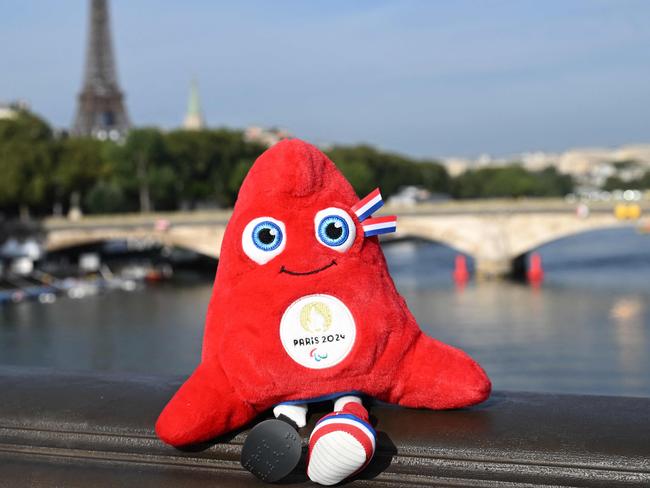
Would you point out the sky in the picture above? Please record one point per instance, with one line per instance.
(425, 78)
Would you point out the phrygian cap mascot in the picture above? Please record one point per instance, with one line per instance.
(303, 309)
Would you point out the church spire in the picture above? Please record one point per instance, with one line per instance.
(194, 118)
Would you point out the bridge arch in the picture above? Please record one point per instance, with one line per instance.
(204, 240)
(496, 240)
(564, 230)
(430, 240)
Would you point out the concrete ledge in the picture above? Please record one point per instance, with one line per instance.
(81, 430)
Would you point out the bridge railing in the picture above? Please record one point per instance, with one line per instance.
(74, 430)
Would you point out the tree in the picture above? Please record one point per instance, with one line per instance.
(366, 168)
(511, 181)
(80, 164)
(644, 181)
(625, 164)
(105, 196)
(145, 161)
(205, 162)
(434, 177)
(27, 154)
(616, 183)
(237, 176)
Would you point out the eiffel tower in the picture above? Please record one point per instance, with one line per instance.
(100, 112)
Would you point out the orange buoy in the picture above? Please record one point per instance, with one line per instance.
(461, 275)
(535, 272)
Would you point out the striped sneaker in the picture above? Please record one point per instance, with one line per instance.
(341, 444)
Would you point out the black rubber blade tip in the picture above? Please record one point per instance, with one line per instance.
(272, 450)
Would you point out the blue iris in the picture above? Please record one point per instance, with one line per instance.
(333, 230)
(267, 235)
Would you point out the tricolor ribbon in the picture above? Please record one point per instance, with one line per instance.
(368, 205)
(379, 225)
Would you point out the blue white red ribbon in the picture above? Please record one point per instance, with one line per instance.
(365, 207)
(379, 225)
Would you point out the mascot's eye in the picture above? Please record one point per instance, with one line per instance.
(335, 228)
(263, 239)
(267, 236)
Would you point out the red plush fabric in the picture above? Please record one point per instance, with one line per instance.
(244, 367)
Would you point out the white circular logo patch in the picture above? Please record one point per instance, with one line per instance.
(317, 331)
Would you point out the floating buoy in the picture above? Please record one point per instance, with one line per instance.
(461, 275)
(535, 272)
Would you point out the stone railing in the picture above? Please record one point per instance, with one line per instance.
(92, 430)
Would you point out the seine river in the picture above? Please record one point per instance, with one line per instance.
(585, 330)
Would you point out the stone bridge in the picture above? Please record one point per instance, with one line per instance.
(204, 237)
(494, 235)
(496, 240)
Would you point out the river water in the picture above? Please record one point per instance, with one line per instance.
(585, 330)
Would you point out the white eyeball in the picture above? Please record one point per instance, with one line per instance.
(263, 239)
(335, 229)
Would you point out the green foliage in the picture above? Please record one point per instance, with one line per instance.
(511, 181)
(644, 181)
(27, 154)
(105, 197)
(367, 168)
(204, 162)
(145, 171)
(80, 163)
(237, 176)
(616, 183)
(155, 170)
(625, 164)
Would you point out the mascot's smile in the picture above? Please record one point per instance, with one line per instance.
(304, 273)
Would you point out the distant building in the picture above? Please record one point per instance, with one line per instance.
(538, 160)
(412, 195)
(266, 137)
(589, 166)
(10, 110)
(194, 118)
(456, 166)
(7, 112)
(592, 166)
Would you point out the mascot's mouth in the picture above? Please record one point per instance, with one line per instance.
(304, 273)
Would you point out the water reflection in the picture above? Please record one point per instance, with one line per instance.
(631, 337)
(585, 330)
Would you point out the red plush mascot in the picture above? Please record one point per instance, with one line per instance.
(303, 309)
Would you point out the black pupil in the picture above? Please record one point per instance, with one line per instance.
(332, 231)
(265, 236)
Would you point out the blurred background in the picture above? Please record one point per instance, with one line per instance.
(510, 137)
